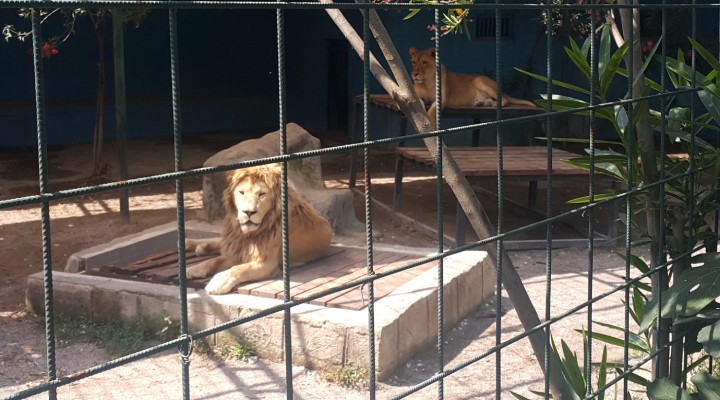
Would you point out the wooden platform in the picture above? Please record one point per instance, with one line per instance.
(340, 266)
(518, 161)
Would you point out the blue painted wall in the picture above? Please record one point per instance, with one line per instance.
(228, 73)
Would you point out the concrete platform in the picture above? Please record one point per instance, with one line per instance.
(323, 337)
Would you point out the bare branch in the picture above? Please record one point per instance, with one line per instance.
(617, 35)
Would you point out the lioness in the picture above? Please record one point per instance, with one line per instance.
(251, 244)
(458, 90)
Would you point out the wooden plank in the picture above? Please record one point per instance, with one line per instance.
(340, 266)
(336, 264)
(152, 261)
(338, 254)
(353, 299)
(379, 266)
(530, 161)
(336, 279)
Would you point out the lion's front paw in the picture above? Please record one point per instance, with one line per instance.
(203, 249)
(196, 271)
(200, 248)
(221, 283)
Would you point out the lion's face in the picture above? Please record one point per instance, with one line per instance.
(423, 65)
(253, 199)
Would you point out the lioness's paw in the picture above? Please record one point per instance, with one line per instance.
(221, 283)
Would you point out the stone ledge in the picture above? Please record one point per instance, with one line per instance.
(323, 338)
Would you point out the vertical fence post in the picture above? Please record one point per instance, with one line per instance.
(287, 314)
(499, 259)
(440, 218)
(120, 106)
(185, 346)
(368, 203)
(549, 199)
(45, 206)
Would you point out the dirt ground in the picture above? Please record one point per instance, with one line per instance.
(82, 222)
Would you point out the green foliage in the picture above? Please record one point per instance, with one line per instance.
(454, 20)
(691, 195)
(236, 350)
(351, 376)
(119, 338)
(573, 371)
(168, 330)
(707, 386)
(693, 290)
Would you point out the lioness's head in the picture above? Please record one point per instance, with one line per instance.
(252, 194)
(423, 65)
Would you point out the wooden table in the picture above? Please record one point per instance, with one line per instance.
(519, 162)
(477, 114)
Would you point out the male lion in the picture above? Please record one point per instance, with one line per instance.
(457, 90)
(251, 244)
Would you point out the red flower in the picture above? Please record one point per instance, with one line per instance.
(648, 46)
(49, 50)
(688, 54)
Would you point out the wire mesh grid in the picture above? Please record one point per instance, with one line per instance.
(641, 177)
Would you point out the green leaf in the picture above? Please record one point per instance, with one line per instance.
(602, 374)
(649, 82)
(621, 118)
(649, 58)
(692, 290)
(569, 103)
(636, 342)
(639, 302)
(411, 13)
(571, 367)
(586, 199)
(709, 336)
(707, 386)
(606, 77)
(519, 397)
(665, 389)
(603, 56)
(711, 103)
(579, 59)
(554, 82)
(636, 262)
(706, 55)
(634, 378)
(676, 134)
(687, 73)
(577, 140)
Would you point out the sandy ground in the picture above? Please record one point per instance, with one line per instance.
(82, 222)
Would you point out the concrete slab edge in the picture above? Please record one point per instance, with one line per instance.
(323, 338)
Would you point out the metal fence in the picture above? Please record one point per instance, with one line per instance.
(536, 329)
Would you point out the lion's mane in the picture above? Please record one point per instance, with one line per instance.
(245, 247)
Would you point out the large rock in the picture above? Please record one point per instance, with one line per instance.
(306, 174)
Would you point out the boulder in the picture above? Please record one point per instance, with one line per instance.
(306, 174)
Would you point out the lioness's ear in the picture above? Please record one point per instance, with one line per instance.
(412, 51)
(432, 53)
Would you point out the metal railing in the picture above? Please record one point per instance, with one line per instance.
(186, 337)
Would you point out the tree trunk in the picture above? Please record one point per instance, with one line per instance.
(412, 107)
(99, 132)
(630, 19)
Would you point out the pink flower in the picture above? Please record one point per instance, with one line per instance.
(688, 54)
